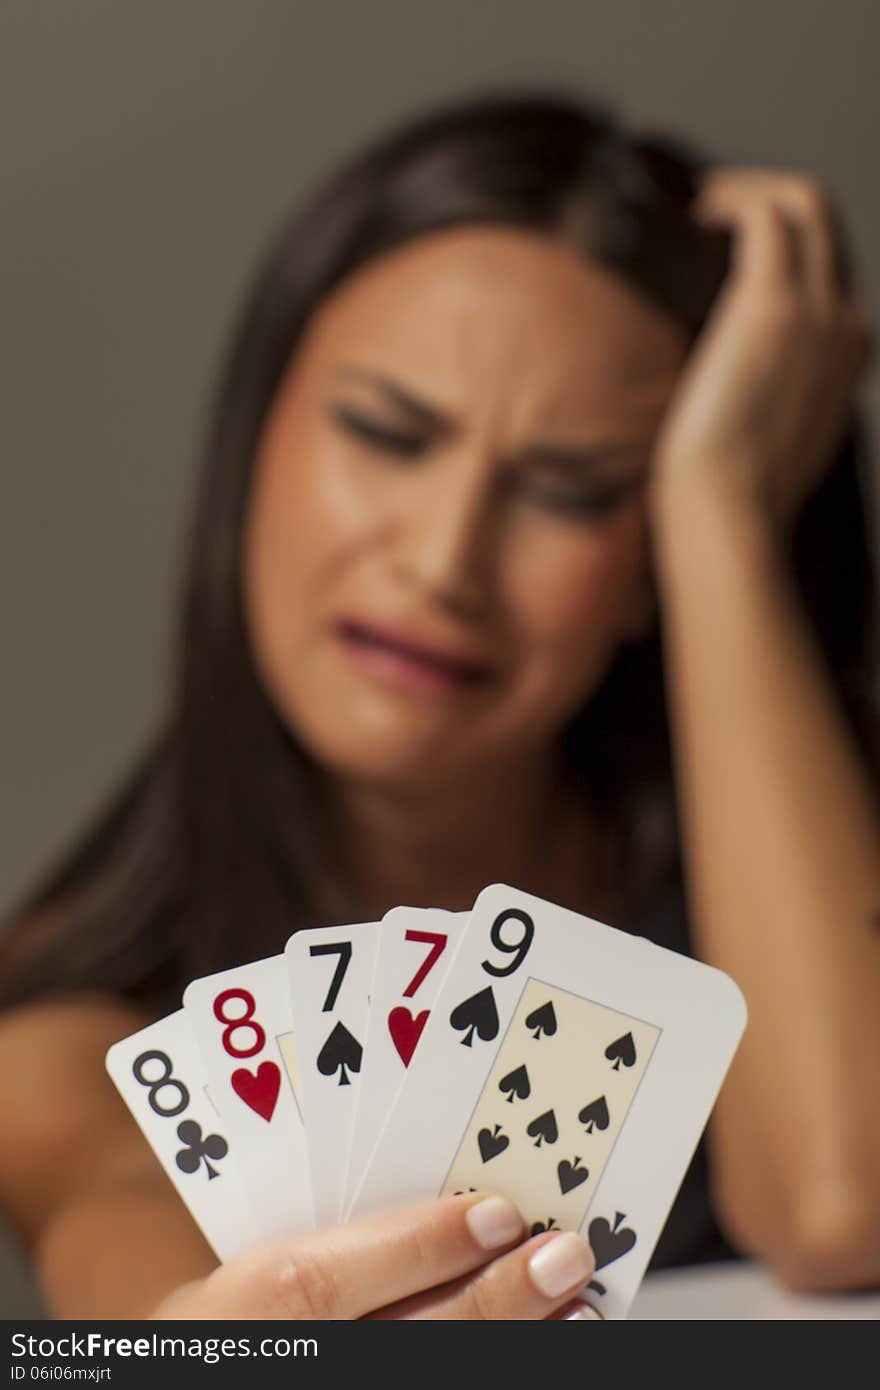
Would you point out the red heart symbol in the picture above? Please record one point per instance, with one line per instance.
(405, 1031)
(258, 1089)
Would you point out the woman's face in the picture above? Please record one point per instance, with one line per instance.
(446, 539)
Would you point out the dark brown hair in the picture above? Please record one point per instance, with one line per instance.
(212, 852)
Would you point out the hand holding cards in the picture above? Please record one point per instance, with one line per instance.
(521, 1048)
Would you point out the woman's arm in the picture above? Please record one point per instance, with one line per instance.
(106, 1231)
(119, 1252)
(782, 855)
(779, 818)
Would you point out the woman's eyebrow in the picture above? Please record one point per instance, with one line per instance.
(399, 396)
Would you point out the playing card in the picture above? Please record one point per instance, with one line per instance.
(242, 1021)
(550, 1148)
(160, 1076)
(415, 948)
(330, 971)
(570, 1066)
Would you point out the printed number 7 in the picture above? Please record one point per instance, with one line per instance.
(342, 949)
(437, 942)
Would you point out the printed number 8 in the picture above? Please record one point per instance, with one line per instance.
(246, 1020)
(166, 1079)
(518, 949)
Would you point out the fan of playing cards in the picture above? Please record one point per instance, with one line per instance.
(519, 1048)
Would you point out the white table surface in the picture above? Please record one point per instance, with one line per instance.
(739, 1291)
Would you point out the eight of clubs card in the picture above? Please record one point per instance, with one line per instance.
(330, 972)
(598, 1139)
(414, 952)
(160, 1074)
(242, 1021)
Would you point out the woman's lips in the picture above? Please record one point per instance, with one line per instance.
(409, 661)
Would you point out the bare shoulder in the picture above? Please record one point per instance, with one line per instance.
(65, 1128)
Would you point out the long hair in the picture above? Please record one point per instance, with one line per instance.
(213, 852)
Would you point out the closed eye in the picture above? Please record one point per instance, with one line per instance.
(404, 443)
(555, 490)
(575, 497)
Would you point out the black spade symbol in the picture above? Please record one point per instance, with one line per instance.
(570, 1175)
(548, 1225)
(595, 1114)
(516, 1083)
(492, 1143)
(543, 1020)
(622, 1050)
(341, 1050)
(477, 1014)
(543, 1127)
(610, 1242)
(198, 1150)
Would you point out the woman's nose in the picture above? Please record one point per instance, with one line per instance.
(444, 543)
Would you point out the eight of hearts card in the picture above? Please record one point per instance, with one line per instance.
(242, 1021)
(569, 1066)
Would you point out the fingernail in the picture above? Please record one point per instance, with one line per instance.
(584, 1310)
(561, 1264)
(494, 1222)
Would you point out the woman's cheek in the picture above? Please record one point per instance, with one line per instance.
(316, 511)
(327, 495)
(574, 582)
(339, 491)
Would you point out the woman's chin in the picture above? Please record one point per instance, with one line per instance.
(395, 766)
(391, 757)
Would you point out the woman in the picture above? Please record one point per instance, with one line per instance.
(501, 413)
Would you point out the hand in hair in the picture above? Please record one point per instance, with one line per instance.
(764, 397)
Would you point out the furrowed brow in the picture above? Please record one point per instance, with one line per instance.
(400, 396)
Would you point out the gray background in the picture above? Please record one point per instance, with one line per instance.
(147, 148)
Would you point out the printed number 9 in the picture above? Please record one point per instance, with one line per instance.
(518, 949)
(166, 1079)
